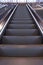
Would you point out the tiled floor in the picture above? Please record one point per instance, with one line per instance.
(21, 61)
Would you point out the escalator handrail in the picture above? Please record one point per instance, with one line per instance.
(2, 8)
(7, 21)
(36, 15)
(6, 13)
(35, 20)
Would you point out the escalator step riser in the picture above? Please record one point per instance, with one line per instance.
(22, 22)
(22, 40)
(21, 26)
(35, 51)
(22, 19)
(22, 32)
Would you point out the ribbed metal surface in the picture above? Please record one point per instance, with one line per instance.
(22, 30)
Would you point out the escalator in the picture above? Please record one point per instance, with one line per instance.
(22, 40)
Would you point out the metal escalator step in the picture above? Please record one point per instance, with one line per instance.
(22, 22)
(21, 50)
(22, 12)
(22, 15)
(22, 32)
(21, 26)
(22, 40)
(21, 19)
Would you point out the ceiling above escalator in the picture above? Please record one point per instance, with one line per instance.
(18, 1)
(24, 1)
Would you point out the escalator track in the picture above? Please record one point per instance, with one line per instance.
(22, 41)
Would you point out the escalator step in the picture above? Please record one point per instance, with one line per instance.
(21, 50)
(22, 40)
(22, 22)
(21, 26)
(21, 19)
(21, 32)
